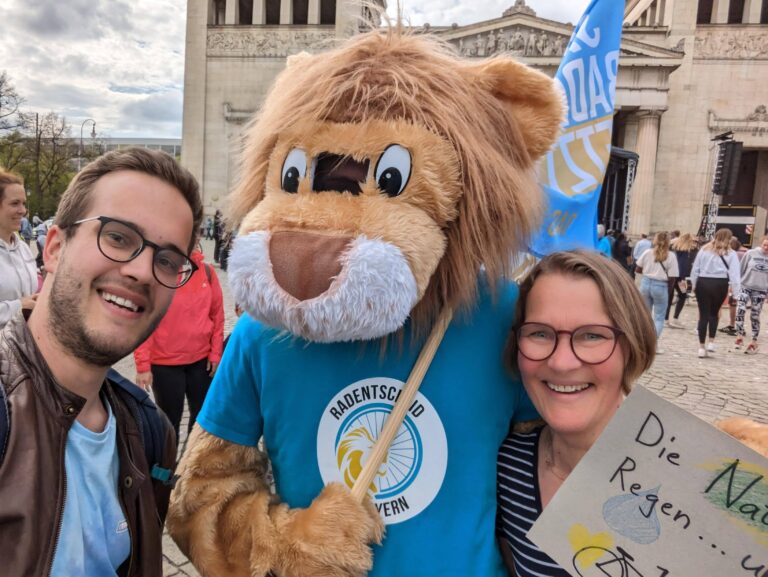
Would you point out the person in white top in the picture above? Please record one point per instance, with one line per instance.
(18, 273)
(657, 265)
(716, 266)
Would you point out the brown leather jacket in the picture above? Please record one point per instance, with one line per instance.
(32, 475)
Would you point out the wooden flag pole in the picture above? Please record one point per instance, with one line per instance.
(397, 416)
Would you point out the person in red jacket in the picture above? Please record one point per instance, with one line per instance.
(180, 357)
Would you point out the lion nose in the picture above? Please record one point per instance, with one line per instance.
(305, 264)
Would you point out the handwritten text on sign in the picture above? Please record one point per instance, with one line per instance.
(660, 494)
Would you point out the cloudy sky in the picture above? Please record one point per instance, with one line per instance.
(121, 62)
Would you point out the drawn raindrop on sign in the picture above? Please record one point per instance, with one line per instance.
(626, 514)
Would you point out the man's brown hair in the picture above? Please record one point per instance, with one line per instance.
(76, 199)
(622, 300)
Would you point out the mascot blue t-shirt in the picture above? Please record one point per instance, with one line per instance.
(320, 408)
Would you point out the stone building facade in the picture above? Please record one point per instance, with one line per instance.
(689, 70)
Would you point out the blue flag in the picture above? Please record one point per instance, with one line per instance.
(572, 172)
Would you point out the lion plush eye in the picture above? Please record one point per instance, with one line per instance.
(393, 170)
(294, 169)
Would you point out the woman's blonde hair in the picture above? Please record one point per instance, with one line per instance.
(661, 246)
(621, 299)
(721, 244)
(684, 242)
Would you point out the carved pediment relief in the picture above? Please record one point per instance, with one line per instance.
(731, 44)
(257, 42)
(519, 8)
(760, 114)
(755, 123)
(524, 35)
(516, 40)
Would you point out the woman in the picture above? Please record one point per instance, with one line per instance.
(179, 359)
(582, 337)
(716, 266)
(685, 250)
(18, 274)
(754, 290)
(659, 269)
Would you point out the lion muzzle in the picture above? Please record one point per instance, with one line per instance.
(305, 264)
(372, 289)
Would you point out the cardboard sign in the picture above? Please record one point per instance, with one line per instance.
(660, 494)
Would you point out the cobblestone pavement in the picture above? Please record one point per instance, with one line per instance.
(726, 383)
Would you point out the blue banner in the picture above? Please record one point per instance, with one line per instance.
(572, 172)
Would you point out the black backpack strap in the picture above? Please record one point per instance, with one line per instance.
(664, 269)
(725, 264)
(150, 423)
(5, 422)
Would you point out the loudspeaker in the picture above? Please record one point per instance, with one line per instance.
(727, 169)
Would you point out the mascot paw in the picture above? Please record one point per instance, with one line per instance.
(331, 538)
(753, 435)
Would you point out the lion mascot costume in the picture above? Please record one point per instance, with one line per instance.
(383, 183)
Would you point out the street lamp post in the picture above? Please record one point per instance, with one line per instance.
(93, 135)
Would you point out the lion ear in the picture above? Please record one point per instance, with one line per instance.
(533, 98)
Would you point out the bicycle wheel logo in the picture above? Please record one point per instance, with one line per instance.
(356, 439)
(414, 468)
(610, 563)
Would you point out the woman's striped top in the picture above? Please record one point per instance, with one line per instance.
(519, 504)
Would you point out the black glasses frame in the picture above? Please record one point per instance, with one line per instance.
(103, 220)
(616, 333)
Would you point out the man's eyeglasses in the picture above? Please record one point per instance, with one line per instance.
(120, 242)
(591, 344)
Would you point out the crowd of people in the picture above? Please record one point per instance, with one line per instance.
(719, 273)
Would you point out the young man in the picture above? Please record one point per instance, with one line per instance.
(76, 495)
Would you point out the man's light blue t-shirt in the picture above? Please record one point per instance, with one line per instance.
(320, 408)
(93, 539)
(642, 245)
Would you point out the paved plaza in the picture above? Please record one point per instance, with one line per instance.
(726, 383)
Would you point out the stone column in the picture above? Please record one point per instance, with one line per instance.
(720, 11)
(231, 15)
(259, 12)
(193, 151)
(642, 190)
(658, 11)
(286, 11)
(314, 12)
(752, 11)
(631, 126)
(669, 7)
(346, 17)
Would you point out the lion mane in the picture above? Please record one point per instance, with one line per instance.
(499, 116)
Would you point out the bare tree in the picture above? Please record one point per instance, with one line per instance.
(10, 101)
(15, 151)
(55, 150)
(43, 152)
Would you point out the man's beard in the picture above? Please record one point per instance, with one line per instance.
(67, 325)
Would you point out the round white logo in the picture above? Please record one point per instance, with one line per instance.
(414, 468)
